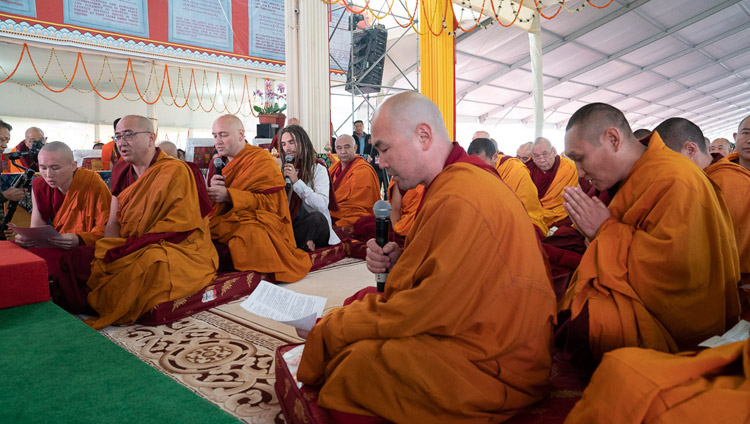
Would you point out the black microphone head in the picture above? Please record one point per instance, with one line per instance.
(288, 158)
(381, 209)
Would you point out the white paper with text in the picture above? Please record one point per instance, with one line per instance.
(283, 305)
(738, 333)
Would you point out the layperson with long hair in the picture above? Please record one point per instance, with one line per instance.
(311, 194)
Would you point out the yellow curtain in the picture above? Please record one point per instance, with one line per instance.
(437, 57)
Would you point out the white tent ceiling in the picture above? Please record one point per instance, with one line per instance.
(652, 59)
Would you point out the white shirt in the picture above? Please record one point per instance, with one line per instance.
(317, 200)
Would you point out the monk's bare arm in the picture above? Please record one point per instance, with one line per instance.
(113, 227)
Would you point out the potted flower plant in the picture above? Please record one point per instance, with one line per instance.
(270, 112)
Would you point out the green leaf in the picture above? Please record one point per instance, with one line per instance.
(258, 109)
(283, 108)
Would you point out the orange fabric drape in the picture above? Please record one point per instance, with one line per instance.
(357, 188)
(85, 210)
(516, 176)
(437, 60)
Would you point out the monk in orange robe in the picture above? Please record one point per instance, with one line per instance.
(75, 201)
(110, 154)
(551, 173)
(741, 153)
(404, 206)
(250, 221)
(685, 137)
(515, 174)
(661, 269)
(633, 386)
(157, 246)
(458, 336)
(33, 134)
(355, 183)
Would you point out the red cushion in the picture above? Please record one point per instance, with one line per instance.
(355, 248)
(227, 287)
(23, 276)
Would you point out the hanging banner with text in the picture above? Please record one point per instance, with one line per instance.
(245, 34)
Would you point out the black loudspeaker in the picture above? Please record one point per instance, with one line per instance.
(368, 49)
(266, 130)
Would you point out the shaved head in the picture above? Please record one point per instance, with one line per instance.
(594, 118)
(345, 149)
(485, 149)
(642, 133)
(168, 147)
(409, 133)
(524, 151)
(480, 134)
(57, 165)
(59, 147)
(543, 154)
(229, 135)
(742, 142)
(676, 132)
(721, 146)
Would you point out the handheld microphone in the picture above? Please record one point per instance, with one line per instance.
(218, 165)
(382, 212)
(288, 159)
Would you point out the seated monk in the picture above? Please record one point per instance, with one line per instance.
(250, 221)
(355, 183)
(660, 271)
(685, 137)
(458, 336)
(551, 173)
(741, 155)
(168, 147)
(156, 246)
(721, 146)
(32, 136)
(634, 386)
(515, 175)
(311, 193)
(74, 201)
(523, 153)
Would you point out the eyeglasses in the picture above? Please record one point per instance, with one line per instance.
(544, 155)
(127, 136)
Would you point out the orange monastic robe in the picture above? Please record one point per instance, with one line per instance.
(516, 175)
(460, 336)
(161, 204)
(85, 208)
(357, 188)
(256, 224)
(410, 202)
(633, 386)
(662, 271)
(734, 181)
(552, 201)
(109, 155)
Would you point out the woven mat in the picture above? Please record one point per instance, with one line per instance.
(226, 354)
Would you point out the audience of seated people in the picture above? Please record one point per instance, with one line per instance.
(658, 231)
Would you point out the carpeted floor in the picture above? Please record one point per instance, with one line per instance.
(226, 354)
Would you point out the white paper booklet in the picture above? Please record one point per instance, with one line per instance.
(738, 333)
(285, 306)
(293, 357)
(38, 234)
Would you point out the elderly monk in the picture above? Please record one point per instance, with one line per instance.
(458, 336)
(30, 136)
(721, 146)
(355, 183)
(741, 153)
(551, 173)
(661, 269)
(250, 221)
(515, 175)
(168, 147)
(634, 386)
(156, 246)
(75, 201)
(523, 153)
(685, 137)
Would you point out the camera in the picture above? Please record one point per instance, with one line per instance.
(32, 153)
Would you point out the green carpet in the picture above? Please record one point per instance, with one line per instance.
(55, 369)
